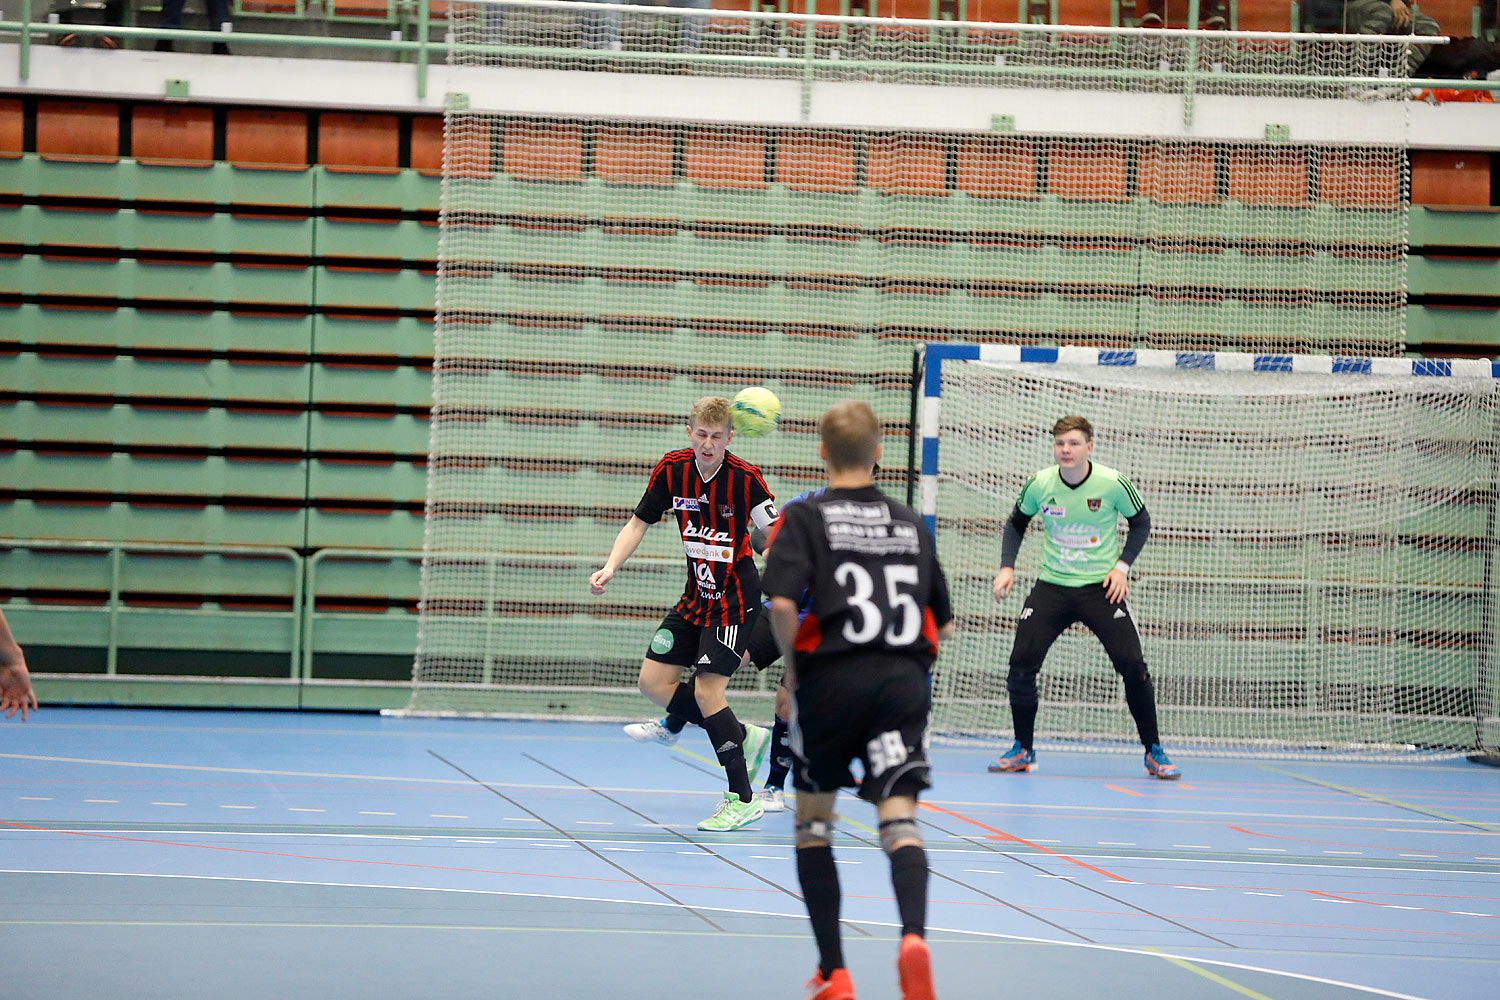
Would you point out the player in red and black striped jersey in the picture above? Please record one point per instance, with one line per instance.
(857, 668)
(716, 498)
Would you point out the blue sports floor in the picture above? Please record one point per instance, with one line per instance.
(237, 855)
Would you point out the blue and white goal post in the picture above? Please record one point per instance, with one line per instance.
(1319, 577)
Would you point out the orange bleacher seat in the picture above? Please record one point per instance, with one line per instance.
(1098, 12)
(1088, 171)
(996, 167)
(1177, 174)
(1347, 179)
(543, 151)
(373, 9)
(1455, 17)
(172, 134)
(908, 164)
(1259, 15)
(427, 144)
(633, 154)
(12, 128)
(1269, 177)
(730, 25)
(78, 130)
(360, 143)
(815, 161)
(267, 140)
(1450, 178)
(471, 146)
(734, 158)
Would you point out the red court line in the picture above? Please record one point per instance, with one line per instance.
(1002, 835)
(382, 864)
(1342, 843)
(1127, 791)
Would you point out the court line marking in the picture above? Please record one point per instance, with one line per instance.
(1214, 977)
(1154, 811)
(1367, 847)
(983, 935)
(637, 879)
(1031, 911)
(1383, 799)
(1127, 791)
(315, 833)
(1002, 835)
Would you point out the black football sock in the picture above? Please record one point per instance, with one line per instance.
(684, 705)
(727, 737)
(1140, 695)
(820, 893)
(909, 877)
(781, 754)
(674, 723)
(1023, 719)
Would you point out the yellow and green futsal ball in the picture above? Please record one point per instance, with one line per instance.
(755, 412)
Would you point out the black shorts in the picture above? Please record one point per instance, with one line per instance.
(713, 649)
(762, 647)
(868, 708)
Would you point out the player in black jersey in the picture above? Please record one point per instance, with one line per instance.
(857, 667)
(716, 497)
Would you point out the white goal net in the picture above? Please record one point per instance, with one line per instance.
(1319, 574)
(644, 205)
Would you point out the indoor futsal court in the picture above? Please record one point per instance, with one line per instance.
(175, 854)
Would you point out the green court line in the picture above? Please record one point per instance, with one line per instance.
(1228, 984)
(1383, 799)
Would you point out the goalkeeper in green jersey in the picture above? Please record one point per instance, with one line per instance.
(1084, 578)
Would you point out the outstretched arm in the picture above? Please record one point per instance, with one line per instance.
(626, 542)
(15, 681)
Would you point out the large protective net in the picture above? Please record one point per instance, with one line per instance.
(599, 273)
(1318, 575)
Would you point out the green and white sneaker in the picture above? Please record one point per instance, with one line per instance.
(757, 743)
(733, 814)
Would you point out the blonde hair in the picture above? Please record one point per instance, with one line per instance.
(1066, 424)
(710, 411)
(850, 431)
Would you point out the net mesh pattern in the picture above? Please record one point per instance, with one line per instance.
(1317, 576)
(598, 274)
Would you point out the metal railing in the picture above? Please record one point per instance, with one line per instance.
(808, 57)
(115, 604)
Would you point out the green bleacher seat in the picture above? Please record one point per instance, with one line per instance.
(404, 239)
(118, 520)
(403, 481)
(214, 379)
(147, 474)
(367, 288)
(383, 384)
(372, 529)
(160, 280)
(128, 327)
(401, 336)
(123, 424)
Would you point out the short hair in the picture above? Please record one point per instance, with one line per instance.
(1066, 424)
(850, 431)
(710, 411)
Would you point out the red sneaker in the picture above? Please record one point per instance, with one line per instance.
(915, 966)
(835, 987)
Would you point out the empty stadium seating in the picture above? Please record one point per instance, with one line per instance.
(236, 350)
